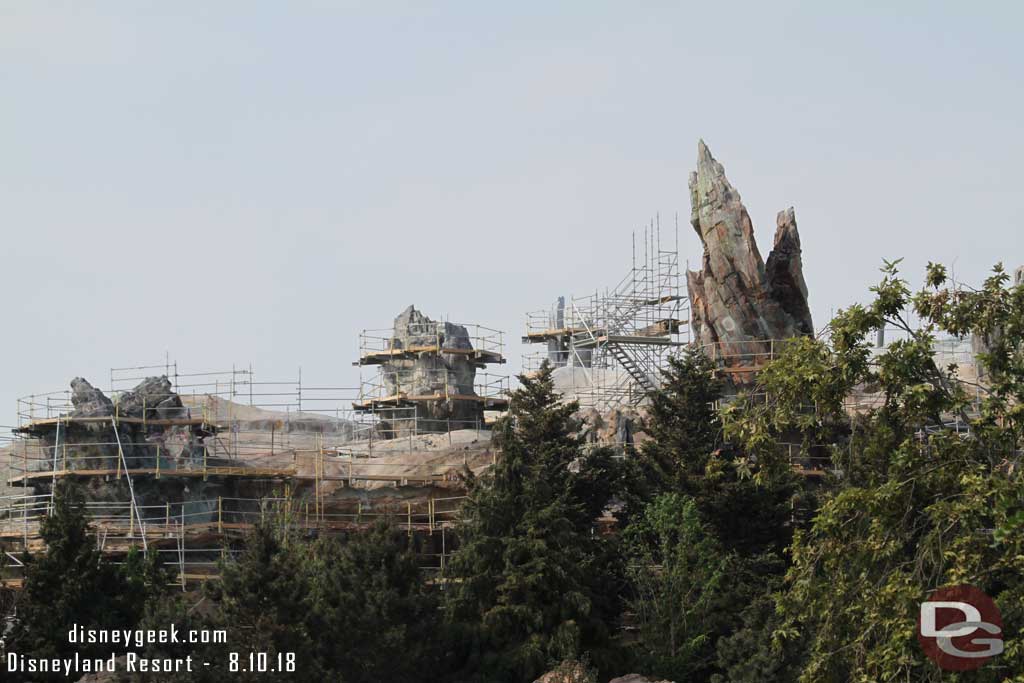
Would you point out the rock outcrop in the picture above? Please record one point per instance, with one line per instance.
(141, 444)
(431, 373)
(567, 672)
(88, 401)
(736, 299)
(617, 428)
(153, 398)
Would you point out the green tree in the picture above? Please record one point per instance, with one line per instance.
(680, 577)
(71, 584)
(750, 654)
(525, 588)
(929, 492)
(262, 600)
(682, 423)
(371, 613)
(687, 453)
(354, 610)
(184, 611)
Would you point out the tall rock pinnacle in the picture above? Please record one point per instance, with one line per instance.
(735, 298)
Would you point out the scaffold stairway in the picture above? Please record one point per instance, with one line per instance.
(635, 371)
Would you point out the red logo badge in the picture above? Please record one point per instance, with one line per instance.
(960, 628)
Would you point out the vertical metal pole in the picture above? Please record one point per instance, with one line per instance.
(53, 482)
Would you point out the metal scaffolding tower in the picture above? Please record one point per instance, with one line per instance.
(610, 347)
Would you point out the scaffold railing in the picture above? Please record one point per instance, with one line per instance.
(170, 528)
(618, 341)
(380, 344)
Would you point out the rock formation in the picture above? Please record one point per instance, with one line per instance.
(432, 373)
(153, 398)
(88, 401)
(735, 298)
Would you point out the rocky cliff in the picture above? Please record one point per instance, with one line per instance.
(736, 298)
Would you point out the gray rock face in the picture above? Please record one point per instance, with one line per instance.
(616, 428)
(736, 298)
(1018, 276)
(152, 398)
(88, 401)
(432, 373)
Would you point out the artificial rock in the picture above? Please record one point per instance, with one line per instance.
(738, 300)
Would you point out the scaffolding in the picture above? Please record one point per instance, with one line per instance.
(610, 347)
(191, 536)
(257, 445)
(414, 384)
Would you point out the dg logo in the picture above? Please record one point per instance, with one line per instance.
(960, 628)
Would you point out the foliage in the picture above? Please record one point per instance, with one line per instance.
(682, 422)
(372, 616)
(353, 610)
(679, 573)
(929, 492)
(525, 589)
(686, 453)
(71, 584)
(750, 654)
(263, 599)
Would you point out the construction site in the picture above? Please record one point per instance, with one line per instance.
(184, 463)
(610, 347)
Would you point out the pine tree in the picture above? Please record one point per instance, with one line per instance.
(687, 454)
(263, 600)
(71, 584)
(682, 422)
(522, 586)
(372, 618)
(724, 545)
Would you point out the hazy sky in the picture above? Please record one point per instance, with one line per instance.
(238, 182)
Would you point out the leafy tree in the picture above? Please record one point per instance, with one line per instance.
(929, 492)
(750, 654)
(523, 590)
(680, 575)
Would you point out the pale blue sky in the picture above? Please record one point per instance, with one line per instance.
(255, 181)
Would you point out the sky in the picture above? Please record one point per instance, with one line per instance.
(257, 182)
